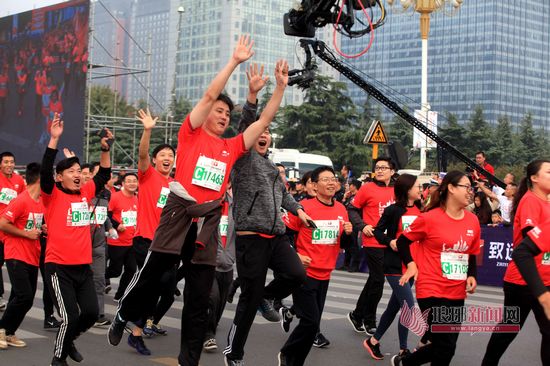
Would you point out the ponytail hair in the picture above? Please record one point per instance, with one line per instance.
(439, 197)
(526, 184)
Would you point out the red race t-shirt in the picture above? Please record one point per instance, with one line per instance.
(443, 248)
(373, 199)
(541, 237)
(26, 214)
(125, 211)
(68, 218)
(152, 196)
(203, 161)
(322, 245)
(531, 211)
(9, 189)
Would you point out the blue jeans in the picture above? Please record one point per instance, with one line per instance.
(399, 295)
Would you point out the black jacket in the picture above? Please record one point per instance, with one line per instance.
(384, 232)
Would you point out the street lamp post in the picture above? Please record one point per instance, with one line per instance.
(172, 108)
(426, 8)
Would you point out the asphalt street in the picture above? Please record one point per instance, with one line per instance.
(265, 338)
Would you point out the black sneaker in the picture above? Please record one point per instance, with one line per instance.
(102, 321)
(56, 361)
(374, 349)
(116, 330)
(51, 323)
(320, 341)
(396, 360)
(229, 362)
(210, 345)
(74, 354)
(357, 324)
(107, 289)
(282, 360)
(286, 318)
(138, 344)
(268, 311)
(370, 330)
(404, 353)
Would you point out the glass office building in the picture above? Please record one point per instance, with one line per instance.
(492, 53)
(210, 31)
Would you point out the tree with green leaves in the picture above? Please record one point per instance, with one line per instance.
(480, 135)
(529, 144)
(502, 150)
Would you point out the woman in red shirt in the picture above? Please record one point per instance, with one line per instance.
(530, 208)
(445, 265)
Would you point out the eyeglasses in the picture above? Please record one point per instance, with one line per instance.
(381, 168)
(468, 187)
(327, 179)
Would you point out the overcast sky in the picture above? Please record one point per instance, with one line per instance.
(10, 7)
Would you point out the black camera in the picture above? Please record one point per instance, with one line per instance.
(311, 14)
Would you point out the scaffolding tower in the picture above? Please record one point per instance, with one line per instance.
(116, 67)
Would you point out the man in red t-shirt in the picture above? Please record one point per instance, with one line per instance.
(22, 223)
(123, 212)
(365, 211)
(69, 245)
(318, 249)
(11, 184)
(480, 160)
(204, 161)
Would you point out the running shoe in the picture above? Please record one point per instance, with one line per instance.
(3, 342)
(138, 344)
(102, 321)
(74, 354)
(210, 345)
(374, 349)
(357, 324)
(268, 311)
(13, 341)
(320, 341)
(51, 323)
(116, 330)
(286, 318)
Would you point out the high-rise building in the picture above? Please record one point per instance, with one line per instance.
(490, 53)
(210, 31)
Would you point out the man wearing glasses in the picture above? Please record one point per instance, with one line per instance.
(370, 201)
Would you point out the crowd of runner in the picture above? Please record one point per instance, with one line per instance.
(228, 206)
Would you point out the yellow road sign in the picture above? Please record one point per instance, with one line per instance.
(376, 134)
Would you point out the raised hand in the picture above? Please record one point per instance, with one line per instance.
(104, 144)
(281, 73)
(146, 119)
(243, 50)
(256, 80)
(57, 127)
(68, 153)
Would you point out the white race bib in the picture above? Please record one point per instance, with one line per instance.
(6, 195)
(34, 221)
(454, 265)
(164, 191)
(327, 232)
(224, 223)
(100, 215)
(546, 259)
(129, 218)
(80, 214)
(209, 173)
(407, 221)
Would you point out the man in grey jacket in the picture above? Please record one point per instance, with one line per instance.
(261, 243)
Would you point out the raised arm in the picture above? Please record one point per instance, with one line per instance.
(243, 51)
(253, 132)
(256, 82)
(104, 173)
(46, 169)
(148, 124)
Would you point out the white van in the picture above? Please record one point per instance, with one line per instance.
(298, 163)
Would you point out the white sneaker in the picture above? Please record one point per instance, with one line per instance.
(3, 304)
(3, 343)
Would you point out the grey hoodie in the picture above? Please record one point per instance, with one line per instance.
(258, 190)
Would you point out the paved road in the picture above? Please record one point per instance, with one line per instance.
(265, 338)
